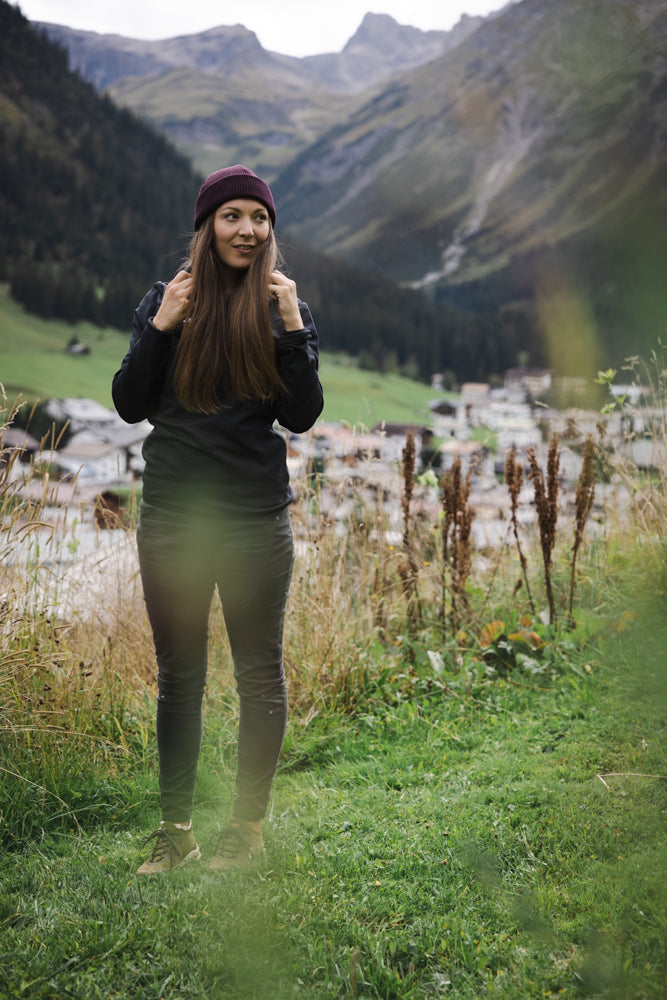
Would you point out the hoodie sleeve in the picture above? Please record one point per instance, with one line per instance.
(138, 383)
(297, 358)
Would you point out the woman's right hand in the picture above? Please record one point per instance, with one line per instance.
(174, 306)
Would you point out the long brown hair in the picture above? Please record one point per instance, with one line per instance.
(226, 339)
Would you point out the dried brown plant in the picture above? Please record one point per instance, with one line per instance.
(408, 568)
(449, 488)
(514, 481)
(546, 505)
(382, 582)
(409, 455)
(456, 540)
(462, 556)
(583, 503)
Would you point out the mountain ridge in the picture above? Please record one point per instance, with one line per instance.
(227, 75)
(384, 42)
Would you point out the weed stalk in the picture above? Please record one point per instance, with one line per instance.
(583, 503)
(408, 568)
(546, 504)
(456, 532)
(514, 481)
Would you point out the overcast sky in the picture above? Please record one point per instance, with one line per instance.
(294, 27)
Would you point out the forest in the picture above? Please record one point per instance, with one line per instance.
(92, 201)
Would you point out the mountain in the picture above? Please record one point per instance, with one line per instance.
(222, 98)
(534, 127)
(377, 51)
(514, 167)
(527, 165)
(381, 48)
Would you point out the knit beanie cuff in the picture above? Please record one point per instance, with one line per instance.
(232, 182)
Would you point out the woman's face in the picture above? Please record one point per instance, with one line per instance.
(240, 226)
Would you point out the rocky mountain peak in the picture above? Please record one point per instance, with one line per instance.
(381, 29)
(381, 48)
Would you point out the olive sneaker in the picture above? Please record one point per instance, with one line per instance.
(237, 846)
(173, 847)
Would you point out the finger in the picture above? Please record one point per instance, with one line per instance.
(281, 279)
(182, 280)
(181, 286)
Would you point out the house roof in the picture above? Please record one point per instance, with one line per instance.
(476, 389)
(455, 447)
(85, 410)
(16, 437)
(88, 449)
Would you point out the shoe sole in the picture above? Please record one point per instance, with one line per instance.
(194, 855)
(225, 865)
(228, 866)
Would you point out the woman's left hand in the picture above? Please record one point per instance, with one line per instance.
(283, 291)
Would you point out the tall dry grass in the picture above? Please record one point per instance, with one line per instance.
(70, 684)
(364, 597)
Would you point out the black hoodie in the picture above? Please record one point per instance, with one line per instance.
(234, 459)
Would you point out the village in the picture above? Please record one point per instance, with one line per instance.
(82, 495)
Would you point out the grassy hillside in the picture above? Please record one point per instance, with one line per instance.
(34, 359)
(34, 363)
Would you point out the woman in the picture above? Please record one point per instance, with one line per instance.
(216, 357)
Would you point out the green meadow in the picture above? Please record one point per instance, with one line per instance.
(459, 833)
(34, 363)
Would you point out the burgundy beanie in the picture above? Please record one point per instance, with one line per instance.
(229, 183)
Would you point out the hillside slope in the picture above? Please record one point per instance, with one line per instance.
(532, 153)
(35, 365)
(540, 123)
(91, 198)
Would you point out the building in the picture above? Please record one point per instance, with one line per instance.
(532, 382)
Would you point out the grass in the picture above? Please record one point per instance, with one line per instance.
(36, 365)
(456, 831)
(35, 362)
(468, 806)
(368, 398)
(458, 846)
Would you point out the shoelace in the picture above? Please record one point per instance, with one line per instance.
(230, 842)
(165, 843)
